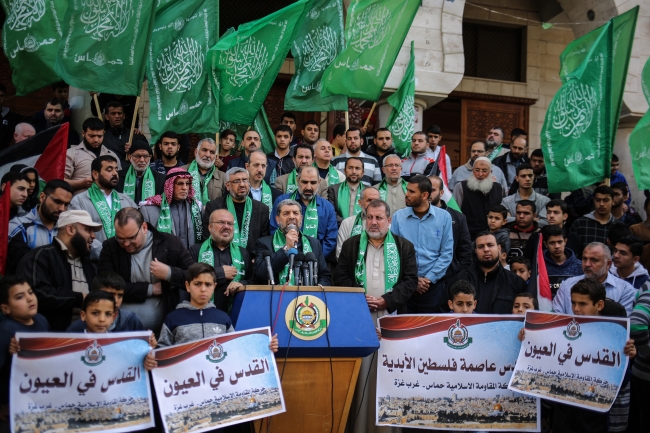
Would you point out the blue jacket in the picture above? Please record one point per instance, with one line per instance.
(188, 323)
(126, 321)
(327, 227)
(572, 267)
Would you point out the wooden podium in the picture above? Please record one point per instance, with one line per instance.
(323, 334)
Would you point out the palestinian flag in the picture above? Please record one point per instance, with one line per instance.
(44, 151)
(539, 279)
(5, 205)
(442, 165)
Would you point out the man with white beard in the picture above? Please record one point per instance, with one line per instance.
(207, 180)
(477, 195)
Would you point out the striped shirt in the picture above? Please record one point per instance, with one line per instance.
(639, 321)
(371, 168)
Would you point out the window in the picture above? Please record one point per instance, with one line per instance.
(497, 53)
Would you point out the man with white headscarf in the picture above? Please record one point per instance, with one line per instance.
(477, 195)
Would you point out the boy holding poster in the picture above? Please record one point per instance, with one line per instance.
(462, 298)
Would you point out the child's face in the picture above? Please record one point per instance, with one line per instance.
(99, 316)
(495, 221)
(462, 304)
(582, 305)
(117, 294)
(522, 304)
(22, 304)
(521, 270)
(201, 290)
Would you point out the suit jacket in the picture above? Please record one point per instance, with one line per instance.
(168, 250)
(406, 285)
(333, 197)
(151, 215)
(216, 184)
(159, 180)
(257, 228)
(241, 162)
(279, 260)
(281, 184)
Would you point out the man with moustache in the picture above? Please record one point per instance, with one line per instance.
(232, 263)
(102, 201)
(353, 142)
(310, 132)
(345, 195)
(303, 156)
(54, 115)
(61, 273)
(260, 190)
(139, 181)
(289, 239)
(251, 216)
(382, 148)
(207, 180)
(169, 148)
(252, 142)
(319, 215)
(496, 288)
(118, 133)
(392, 189)
(509, 162)
(39, 226)
(477, 195)
(323, 162)
(355, 224)
(477, 149)
(421, 159)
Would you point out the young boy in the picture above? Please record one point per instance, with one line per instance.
(521, 266)
(462, 297)
(98, 311)
(198, 318)
(524, 301)
(497, 220)
(124, 320)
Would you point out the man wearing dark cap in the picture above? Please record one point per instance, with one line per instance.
(434, 135)
(138, 181)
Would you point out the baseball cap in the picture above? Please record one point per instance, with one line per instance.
(78, 216)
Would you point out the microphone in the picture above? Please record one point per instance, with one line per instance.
(292, 255)
(292, 227)
(300, 257)
(313, 267)
(269, 269)
(305, 274)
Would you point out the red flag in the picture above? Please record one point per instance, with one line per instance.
(442, 164)
(5, 207)
(51, 164)
(540, 277)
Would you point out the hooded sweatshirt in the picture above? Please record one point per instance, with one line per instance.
(572, 267)
(188, 323)
(637, 278)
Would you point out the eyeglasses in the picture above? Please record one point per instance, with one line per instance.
(223, 223)
(122, 241)
(476, 170)
(59, 202)
(238, 181)
(137, 157)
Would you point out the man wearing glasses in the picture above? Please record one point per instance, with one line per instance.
(251, 216)
(138, 181)
(477, 195)
(392, 189)
(152, 264)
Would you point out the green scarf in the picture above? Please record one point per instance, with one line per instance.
(267, 195)
(278, 243)
(106, 214)
(357, 227)
(240, 239)
(148, 184)
(201, 191)
(333, 176)
(391, 262)
(165, 224)
(344, 200)
(495, 152)
(292, 184)
(206, 255)
(383, 188)
(310, 222)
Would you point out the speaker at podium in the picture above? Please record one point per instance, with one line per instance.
(323, 333)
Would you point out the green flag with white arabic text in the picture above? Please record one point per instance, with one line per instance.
(640, 138)
(375, 31)
(248, 60)
(401, 121)
(318, 42)
(104, 45)
(260, 124)
(180, 94)
(30, 40)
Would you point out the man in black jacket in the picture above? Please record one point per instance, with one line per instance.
(509, 162)
(286, 241)
(61, 273)
(251, 216)
(153, 265)
(381, 298)
(496, 287)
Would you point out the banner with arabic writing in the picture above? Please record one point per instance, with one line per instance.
(640, 137)
(30, 39)
(451, 372)
(401, 121)
(576, 360)
(217, 382)
(81, 383)
(104, 45)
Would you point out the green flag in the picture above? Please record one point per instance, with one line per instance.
(260, 124)
(248, 60)
(640, 138)
(104, 45)
(374, 33)
(181, 98)
(401, 121)
(580, 124)
(30, 39)
(318, 42)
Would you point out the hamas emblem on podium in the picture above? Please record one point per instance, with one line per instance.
(94, 355)
(307, 317)
(458, 336)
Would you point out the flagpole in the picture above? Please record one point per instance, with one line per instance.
(347, 120)
(99, 113)
(374, 104)
(135, 116)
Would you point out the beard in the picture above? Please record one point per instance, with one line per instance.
(204, 165)
(108, 183)
(307, 195)
(483, 186)
(380, 234)
(595, 275)
(80, 245)
(488, 263)
(491, 143)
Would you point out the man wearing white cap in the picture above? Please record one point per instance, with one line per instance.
(61, 273)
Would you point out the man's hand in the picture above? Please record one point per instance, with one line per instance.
(376, 304)
(218, 162)
(159, 270)
(152, 341)
(157, 289)
(274, 344)
(127, 146)
(363, 130)
(87, 182)
(233, 288)
(423, 285)
(230, 271)
(522, 335)
(291, 238)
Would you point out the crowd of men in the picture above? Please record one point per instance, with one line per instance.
(144, 213)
